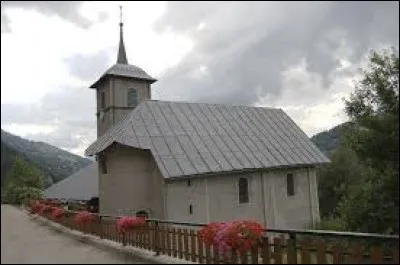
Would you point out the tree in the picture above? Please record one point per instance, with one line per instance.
(25, 182)
(374, 108)
(335, 178)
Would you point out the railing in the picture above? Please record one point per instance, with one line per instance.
(181, 240)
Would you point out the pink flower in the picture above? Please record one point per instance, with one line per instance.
(127, 223)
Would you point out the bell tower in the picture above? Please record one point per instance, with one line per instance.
(120, 89)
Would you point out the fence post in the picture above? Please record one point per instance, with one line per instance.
(101, 227)
(124, 238)
(291, 249)
(156, 239)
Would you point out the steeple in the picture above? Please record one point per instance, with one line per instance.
(121, 50)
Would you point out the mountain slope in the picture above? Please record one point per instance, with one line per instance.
(328, 141)
(56, 164)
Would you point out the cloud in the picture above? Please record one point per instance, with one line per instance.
(68, 10)
(246, 46)
(299, 56)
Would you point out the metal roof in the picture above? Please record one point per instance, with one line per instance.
(82, 185)
(126, 70)
(198, 138)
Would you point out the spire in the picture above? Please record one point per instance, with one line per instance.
(121, 50)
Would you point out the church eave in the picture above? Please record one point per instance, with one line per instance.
(101, 79)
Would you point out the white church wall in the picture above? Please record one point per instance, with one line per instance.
(215, 198)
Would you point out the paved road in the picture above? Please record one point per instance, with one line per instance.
(26, 241)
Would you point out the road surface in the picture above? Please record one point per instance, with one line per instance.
(26, 241)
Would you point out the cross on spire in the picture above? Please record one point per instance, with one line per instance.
(121, 59)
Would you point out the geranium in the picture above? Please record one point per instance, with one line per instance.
(58, 214)
(36, 207)
(208, 232)
(238, 235)
(128, 223)
(46, 209)
(84, 218)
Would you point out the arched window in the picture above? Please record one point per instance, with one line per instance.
(243, 190)
(133, 97)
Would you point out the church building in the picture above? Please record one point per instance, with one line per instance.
(198, 162)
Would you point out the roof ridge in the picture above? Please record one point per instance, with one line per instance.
(212, 104)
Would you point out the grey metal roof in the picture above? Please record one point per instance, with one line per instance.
(198, 138)
(125, 70)
(82, 185)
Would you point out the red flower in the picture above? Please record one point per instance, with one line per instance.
(84, 217)
(128, 223)
(46, 209)
(58, 214)
(239, 235)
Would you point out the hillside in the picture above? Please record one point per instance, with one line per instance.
(328, 141)
(56, 164)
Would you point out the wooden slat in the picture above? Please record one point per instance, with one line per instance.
(235, 257)
(356, 254)
(200, 245)
(145, 238)
(376, 254)
(266, 252)
(168, 241)
(186, 244)
(141, 233)
(215, 255)
(208, 254)
(192, 245)
(180, 245)
(321, 251)
(162, 239)
(305, 252)
(277, 251)
(395, 250)
(174, 243)
(291, 251)
(243, 258)
(149, 236)
(254, 255)
(337, 254)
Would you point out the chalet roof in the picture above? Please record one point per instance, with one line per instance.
(79, 186)
(197, 138)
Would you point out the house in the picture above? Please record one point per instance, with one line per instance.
(198, 162)
(80, 186)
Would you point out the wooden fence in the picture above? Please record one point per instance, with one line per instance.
(284, 247)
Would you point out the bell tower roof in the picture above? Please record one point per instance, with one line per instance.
(122, 68)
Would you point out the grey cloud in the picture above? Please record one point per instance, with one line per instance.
(246, 45)
(88, 68)
(71, 110)
(67, 10)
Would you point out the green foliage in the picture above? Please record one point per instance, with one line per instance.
(24, 183)
(360, 188)
(335, 178)
(331, 224)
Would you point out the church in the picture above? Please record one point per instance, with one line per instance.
(198, 162)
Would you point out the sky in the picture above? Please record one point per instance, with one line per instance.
(303, 57)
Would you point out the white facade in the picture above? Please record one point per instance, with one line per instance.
(216, 198)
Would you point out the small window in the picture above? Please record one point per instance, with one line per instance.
(243, 190)
(188, 183)
(290, 184)
(103, 165)
(103, 100)
(133, 97)
(190, 209)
